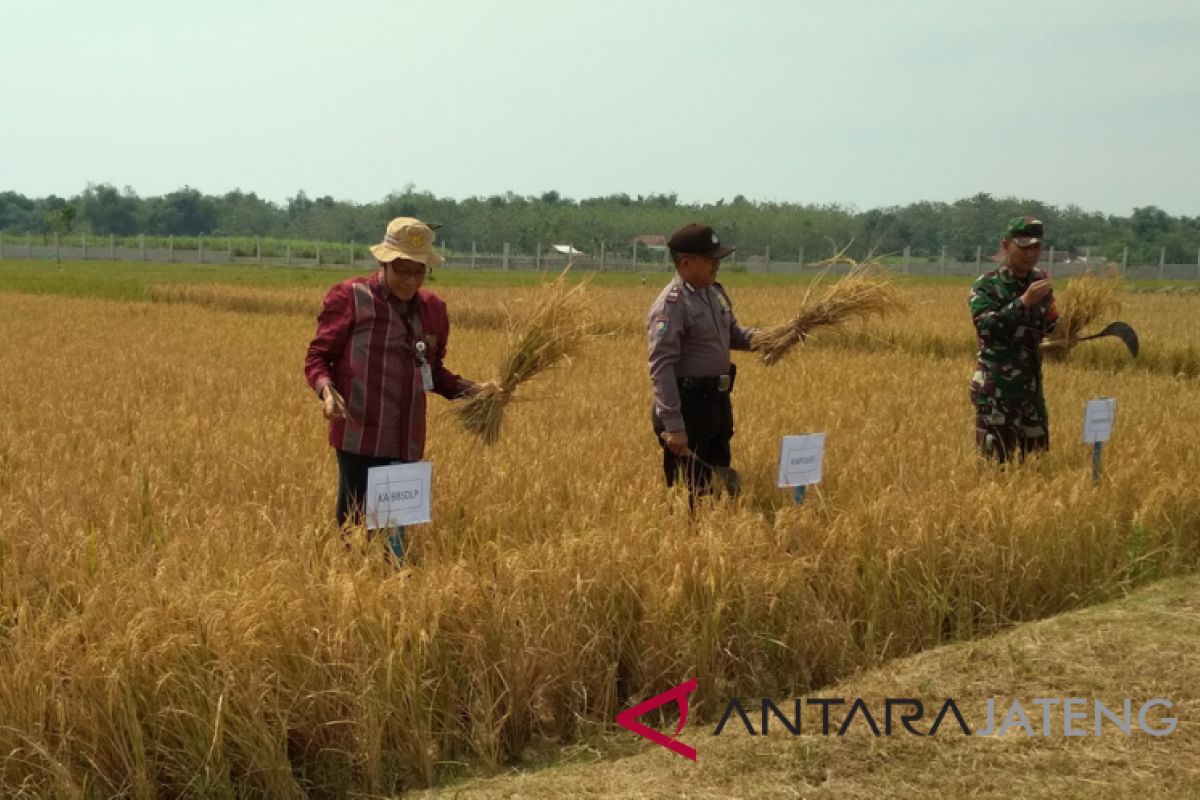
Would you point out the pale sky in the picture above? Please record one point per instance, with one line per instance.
(860, 102)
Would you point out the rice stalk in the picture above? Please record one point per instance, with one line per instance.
(553, 330)
(865, 291)
(1088, 299)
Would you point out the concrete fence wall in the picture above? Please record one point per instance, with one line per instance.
(218, 251)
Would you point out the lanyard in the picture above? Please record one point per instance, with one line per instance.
(413, 324)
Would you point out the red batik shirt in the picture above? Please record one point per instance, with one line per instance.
(365, 347)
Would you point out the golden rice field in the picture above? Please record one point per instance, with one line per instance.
(178, 616)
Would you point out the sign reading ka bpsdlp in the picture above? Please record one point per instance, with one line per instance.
(398, 494)
(800, 459)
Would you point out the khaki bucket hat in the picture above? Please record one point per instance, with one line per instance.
(409, 238)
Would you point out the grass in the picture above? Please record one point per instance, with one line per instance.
(239, 246)
(131, 280)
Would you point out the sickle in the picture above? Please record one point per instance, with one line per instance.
(728, 475)
(1121, 331)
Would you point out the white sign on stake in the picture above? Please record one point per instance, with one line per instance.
(1098, 419)
(398, 494)
(800, 459)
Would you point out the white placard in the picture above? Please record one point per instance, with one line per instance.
(398, 494)
(1098, 419)
(800, 459)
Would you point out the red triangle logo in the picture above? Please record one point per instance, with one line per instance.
(628, 719)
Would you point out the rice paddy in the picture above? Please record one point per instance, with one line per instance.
(178, 616)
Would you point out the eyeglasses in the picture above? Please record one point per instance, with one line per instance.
(418, 275)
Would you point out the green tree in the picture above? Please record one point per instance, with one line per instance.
(185, 212)
(242, 214)
(59, 217)
(1149, 222)
(104, 210)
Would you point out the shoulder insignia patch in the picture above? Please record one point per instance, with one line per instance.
(659, 325)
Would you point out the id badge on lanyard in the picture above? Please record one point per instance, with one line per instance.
(426, 370)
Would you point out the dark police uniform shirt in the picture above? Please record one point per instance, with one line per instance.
(691, 332)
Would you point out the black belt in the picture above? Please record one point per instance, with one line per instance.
(713, 383)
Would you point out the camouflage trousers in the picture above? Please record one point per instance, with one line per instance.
(1013, 427)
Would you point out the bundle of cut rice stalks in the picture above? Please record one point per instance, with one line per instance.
(1087, 299)
(554, 329)
(863, 292)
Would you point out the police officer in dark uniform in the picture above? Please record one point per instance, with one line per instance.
(691, 331)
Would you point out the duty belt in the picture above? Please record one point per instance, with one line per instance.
(714, 383)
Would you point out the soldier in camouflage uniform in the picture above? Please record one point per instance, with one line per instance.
(1013, 311)
(691, 331)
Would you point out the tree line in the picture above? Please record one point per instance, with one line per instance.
(614, 221)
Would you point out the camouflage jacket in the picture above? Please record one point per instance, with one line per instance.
(1009, 363)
